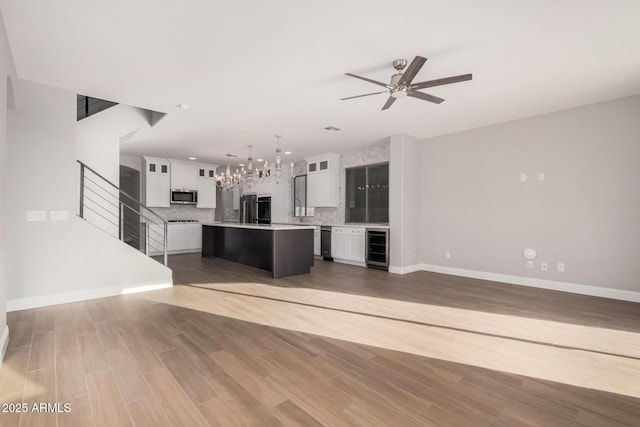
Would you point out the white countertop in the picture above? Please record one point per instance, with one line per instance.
(260, 226)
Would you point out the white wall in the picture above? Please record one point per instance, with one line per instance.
(49, 258)
(586, 212)
(98, 146)
(7, 87)
(98, 137)
(404, 203)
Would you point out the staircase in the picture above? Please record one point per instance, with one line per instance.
(105, 205)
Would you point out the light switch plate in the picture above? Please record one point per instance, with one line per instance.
(543, 266)
(540, 176)
(36, 215)
(529, 264)
(523, 177)
(561, 266)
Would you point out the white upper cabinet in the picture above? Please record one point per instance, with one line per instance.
(157, 191)
(279, 198)
(206, 186)
(235, 202)
(184, 175)
(162, 175)
(322, 180)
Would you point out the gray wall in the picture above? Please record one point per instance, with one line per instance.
(586, 212)
(7, 80)
(48, 258)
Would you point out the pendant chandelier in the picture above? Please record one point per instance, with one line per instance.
(249, 177)
(229, 181)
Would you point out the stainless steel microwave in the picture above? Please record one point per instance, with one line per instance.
(184, 197)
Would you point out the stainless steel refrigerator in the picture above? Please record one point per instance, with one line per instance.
(248, 209)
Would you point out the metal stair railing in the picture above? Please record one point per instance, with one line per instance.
(116, 212)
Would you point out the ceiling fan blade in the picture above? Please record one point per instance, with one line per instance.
(389, 102)
(440, 82)
(425, 97)
(412, 70)
(360, 96)
(367, 80)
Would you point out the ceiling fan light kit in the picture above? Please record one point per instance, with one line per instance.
(400, 85)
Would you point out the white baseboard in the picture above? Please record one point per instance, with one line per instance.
(405, 270)
(185, 251)
(536, 283)
(83, 295)
(348, 261)
(4, 343)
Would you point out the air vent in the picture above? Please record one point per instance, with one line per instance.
(331, 128)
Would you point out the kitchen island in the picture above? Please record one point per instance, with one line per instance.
(284, 250)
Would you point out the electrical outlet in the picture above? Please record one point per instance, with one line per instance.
(529, 264)
(543, 266)
(561, 266)
(447, 255)
(523, 177)
(540, 176)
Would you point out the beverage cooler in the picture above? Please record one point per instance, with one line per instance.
(377, 241)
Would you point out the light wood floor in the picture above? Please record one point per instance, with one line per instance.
(189, 356)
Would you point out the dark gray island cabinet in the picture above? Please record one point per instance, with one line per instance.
(284, 250)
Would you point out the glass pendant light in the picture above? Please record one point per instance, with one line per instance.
(278, 160)
(250, 163)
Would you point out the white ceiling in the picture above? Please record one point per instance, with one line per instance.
(252, 69)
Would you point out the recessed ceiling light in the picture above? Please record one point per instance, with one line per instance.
(287, 152)
(183, 106)
(331, 128)
(192, 158)
(259, 160)
(241, 165)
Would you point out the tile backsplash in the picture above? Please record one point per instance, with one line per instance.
(231, 215)
(185, 212)
(321, 216)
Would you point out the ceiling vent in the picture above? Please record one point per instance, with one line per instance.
(330, 128)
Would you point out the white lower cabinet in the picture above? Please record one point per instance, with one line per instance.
(194, 238)
(185, 237)
(356, 245)
(347, 244)
(339, 243)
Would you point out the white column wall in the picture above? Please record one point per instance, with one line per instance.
(404, 204)
(7, 96)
